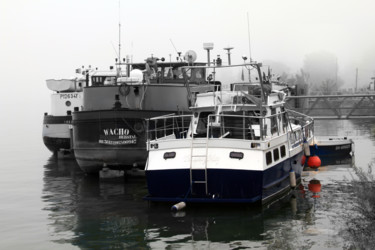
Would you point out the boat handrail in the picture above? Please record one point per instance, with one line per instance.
(246, 127)
(173, 115)
(255, 64)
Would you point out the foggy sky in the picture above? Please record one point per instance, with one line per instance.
(42, 39)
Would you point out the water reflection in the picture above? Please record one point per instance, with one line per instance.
(315, 187)
(90, 213)
(86, 212)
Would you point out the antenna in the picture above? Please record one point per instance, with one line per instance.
(119, 31)
(208, 47)
(356, 79)
(248, 33)
(228, 49)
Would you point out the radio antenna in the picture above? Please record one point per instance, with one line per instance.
(248, 33)
(119, 31)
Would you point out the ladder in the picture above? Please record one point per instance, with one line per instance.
(195, 144)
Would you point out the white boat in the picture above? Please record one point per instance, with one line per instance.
(65, 99)
(239, 145)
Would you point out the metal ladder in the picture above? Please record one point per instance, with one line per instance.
(194, 145)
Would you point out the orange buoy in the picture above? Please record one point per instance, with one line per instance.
(314, 161)
(303, 160)
(315, 186)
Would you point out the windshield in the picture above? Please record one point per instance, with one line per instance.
(235, 74)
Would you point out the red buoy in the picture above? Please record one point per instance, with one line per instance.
(314, 162)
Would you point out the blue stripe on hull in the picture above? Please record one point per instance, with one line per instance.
(224, 185)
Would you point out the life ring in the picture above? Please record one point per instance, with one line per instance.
(139, 127)
(124, 89)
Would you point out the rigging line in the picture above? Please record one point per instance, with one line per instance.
(114, 48)
(173, 45)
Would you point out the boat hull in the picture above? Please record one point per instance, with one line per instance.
(56, 132)
(112, 138)
(223, 184)
(332, 147)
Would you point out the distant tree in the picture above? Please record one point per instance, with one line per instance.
(322, 69)
(328, 87)
(301, 78)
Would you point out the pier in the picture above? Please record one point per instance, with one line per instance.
(352, 106)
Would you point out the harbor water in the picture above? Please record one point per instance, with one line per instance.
(49, 203)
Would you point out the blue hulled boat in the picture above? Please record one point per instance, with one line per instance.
(239, 144)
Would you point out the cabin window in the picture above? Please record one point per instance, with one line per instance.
(168, 73)
(285, 118)
(68, 103)
(276, 155)
(282, 151)
(177, 73)
(198, 73)
(269, 158)
(273, 121)
(97, 80)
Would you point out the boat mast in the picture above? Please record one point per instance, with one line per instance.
(119, 40)
(248, 34)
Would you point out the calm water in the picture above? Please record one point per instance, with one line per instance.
(48, 203)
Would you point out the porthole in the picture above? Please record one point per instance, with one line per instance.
(68, 103)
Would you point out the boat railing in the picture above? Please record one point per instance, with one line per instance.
(306, 122)
(168, 126)
(244, 127)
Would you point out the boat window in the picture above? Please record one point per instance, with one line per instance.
(285, 118)
(196, 75)
(98, 80)
(269, 158)
(187, 73)
(276, 155)
(177, 73)
(168, 73)
(110, 80)
(273, 121)
(282, 151)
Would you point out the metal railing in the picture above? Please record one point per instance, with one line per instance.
(355, 106)
(242, 127)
